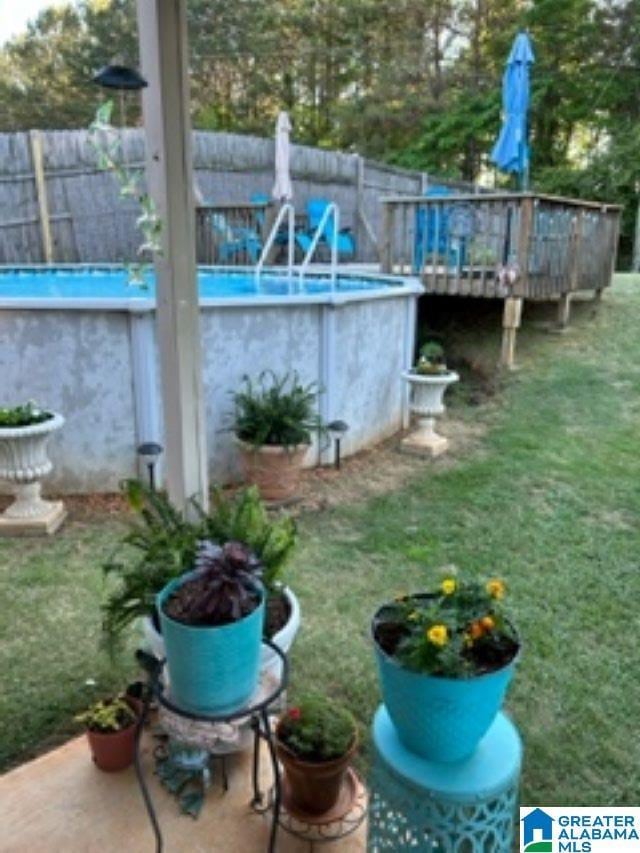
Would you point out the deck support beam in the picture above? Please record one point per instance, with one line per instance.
(564, 311)
(511, 319)
(163, 51)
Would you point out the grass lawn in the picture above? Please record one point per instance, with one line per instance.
(550, 499)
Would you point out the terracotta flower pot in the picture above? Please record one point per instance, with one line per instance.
(313, 787)
(113, 751)
(275, 470)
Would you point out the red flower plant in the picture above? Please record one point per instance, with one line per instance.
(294, 713)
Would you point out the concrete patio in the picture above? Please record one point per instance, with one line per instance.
(61, 802)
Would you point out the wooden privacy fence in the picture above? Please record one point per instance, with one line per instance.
(57, 205)
(529, 245)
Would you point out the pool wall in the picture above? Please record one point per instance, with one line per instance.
(97, 364)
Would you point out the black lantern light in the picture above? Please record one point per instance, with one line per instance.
(149, 452)
(122, 79)
(336, 430)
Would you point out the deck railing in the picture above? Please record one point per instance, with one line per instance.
(501, 244)
(232, 234)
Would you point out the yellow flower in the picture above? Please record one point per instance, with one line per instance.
(496, 588)
(488, 623)
(449, 586)
(438, 635)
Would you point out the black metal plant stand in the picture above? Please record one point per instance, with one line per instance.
(257, 713)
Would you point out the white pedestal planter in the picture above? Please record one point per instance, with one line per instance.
(427, 392)
(23, 463)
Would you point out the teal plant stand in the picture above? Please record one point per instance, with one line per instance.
(427, 807)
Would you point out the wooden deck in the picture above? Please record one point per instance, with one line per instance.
(501, 245)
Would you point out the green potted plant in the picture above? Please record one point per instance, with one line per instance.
(316, 740)
(428, 381)
(273, 422)
(111, 726)
(445, 660)
(212, 622)
(161, 545)
(24, 433)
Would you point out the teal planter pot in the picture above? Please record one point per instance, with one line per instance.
(212, 670)
(441, 719)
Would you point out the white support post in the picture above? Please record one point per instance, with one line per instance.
(327, 371)
(410, 331)
(145, 386)
(163, 52)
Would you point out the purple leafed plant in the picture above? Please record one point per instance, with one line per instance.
(223, 588)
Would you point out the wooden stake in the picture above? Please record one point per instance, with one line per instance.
(41, 194)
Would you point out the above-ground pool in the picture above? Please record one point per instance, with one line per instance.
(115, 283)
(82, 341)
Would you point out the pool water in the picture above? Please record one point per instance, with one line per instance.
(113, 283)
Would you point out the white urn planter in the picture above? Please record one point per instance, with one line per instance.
(23, 463)
(427, 393)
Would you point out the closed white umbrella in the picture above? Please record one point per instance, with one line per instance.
(282, 189)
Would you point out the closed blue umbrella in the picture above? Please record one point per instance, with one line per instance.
(511, 151)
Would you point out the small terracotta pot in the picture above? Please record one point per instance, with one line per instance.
(113, 751)
(314, 787)
(275, 470)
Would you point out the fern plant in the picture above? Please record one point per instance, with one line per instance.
(165, 545)
(276, 410)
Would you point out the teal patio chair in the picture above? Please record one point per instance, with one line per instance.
(315, 211)
(235, 242)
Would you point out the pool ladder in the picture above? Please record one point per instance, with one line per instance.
(287, 211)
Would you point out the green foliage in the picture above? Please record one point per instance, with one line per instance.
(459, 631)
(107, 144)
(317, 729)
(23, 415)
(244, 518)
(277, 410)
(108, 715)
(165, 545)
(415, 82)
(431, 359)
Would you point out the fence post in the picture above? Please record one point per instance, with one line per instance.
(41, 194)
(635, 264)
(388, 224)
(576, 246)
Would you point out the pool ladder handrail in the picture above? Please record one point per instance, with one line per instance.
(287, 210)
(331, 209)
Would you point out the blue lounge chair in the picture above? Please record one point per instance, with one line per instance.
(315, 210)
(432, 235)
(235, 242)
